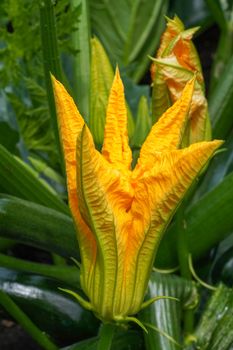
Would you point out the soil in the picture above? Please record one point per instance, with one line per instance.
(13, 337)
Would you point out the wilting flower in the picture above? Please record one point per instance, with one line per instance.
(176, 62)
(120, 213)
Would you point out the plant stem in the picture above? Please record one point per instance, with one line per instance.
(51, 62)
(39, 336)
(106, 336)
(62, 273)
(183, 255)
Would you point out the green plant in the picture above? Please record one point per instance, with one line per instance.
(38, 38)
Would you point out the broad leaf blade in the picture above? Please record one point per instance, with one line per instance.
(221, 104)
(127, 40)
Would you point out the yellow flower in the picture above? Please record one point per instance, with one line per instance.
(176, 62)
(120, 214)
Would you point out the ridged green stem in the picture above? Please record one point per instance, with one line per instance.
(66, 274)
(106, 334)
(183, 256)
(51, 61)
(39, 336)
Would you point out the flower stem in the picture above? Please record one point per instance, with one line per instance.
(183, 255)
(106, 334)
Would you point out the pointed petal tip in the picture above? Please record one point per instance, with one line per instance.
(117, 76)
(217, 143)
(206, 147)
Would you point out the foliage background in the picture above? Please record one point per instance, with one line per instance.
(37, 234)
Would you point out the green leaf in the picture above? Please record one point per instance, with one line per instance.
(166, 314)
(206, 223)
(127, 40)
(222, 264)
(221, 104)
(220, 166)
(39, 226)
(18, 179)
(215, 329)
(9, 137)
(221, 11)
(192, 12)
(51, 310)
(42, 167)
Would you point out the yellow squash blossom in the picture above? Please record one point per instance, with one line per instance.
(176, 62)
(121, 213)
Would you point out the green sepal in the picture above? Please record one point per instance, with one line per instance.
(101, 80)
(153, 300)
(125, 319)
(84, 303)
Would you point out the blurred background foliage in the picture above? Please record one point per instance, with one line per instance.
(37, 236)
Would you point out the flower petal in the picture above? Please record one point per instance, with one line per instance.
(157, 196)
(115, 148)
(94, 177)
(70, 124)
(167, 133)
(176, 77)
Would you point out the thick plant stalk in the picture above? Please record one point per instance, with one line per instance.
(62, 273)
(106, 334)
(51, 61)
(183, 257)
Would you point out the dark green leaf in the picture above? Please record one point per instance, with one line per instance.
(222, 266)
(9, 137)
(221, 104)
(129, 31)
(220, 166)
(193, 12)
(207, 222)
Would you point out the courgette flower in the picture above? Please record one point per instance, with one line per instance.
(175, 63)
(121, 213)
